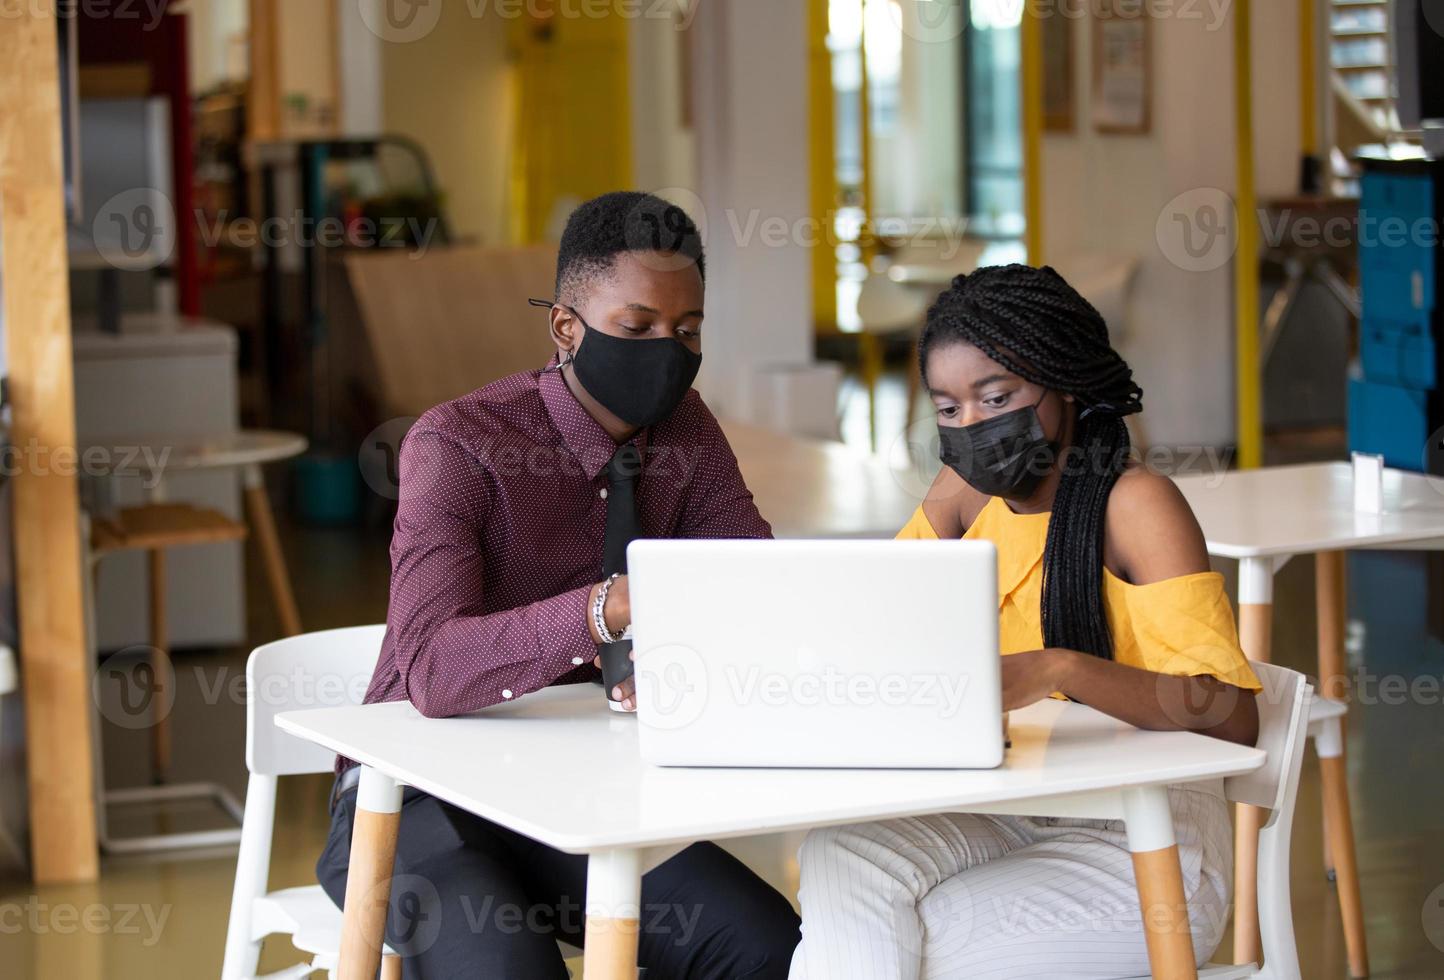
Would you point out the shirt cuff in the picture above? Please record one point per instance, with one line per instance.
(562, 634)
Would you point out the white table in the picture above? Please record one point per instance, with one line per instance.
(811, 488)
(1263, 518)
(562, 769)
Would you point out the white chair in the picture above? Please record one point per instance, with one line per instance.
(314, 670)
(1283, 708)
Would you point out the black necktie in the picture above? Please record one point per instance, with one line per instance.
(622, 474)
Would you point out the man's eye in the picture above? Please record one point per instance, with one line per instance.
(633, 328)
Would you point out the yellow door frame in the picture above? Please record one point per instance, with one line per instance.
(1248, 382)
(1031, 72)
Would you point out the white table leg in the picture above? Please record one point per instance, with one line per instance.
(368, 882)
(1255, 627)
(614, 897)
(1160, 882)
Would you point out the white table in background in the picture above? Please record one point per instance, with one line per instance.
(154, 457)
(812, 488)
(559, 767)
(1264, 517)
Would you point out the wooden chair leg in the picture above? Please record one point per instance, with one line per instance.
(160, 743)
(1341, 829)
(263, 525)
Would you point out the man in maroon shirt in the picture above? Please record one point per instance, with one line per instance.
(508, 563)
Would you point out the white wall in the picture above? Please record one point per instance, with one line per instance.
(358, 49)
(1107, 192)
(664, 151)
(750, 98)
(216, 40)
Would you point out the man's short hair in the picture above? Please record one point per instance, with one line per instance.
(622, 221)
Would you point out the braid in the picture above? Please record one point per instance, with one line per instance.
(1037, 326)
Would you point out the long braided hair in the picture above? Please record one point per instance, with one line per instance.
(1038, 327)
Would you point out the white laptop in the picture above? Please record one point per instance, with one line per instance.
(867, 654)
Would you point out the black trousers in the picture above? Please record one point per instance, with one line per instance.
(473, 899)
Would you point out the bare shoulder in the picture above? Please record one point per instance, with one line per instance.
(951, 504)
(1150, 532)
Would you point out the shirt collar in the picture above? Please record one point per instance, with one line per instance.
(583, 435)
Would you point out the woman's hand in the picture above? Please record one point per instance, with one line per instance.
(1032, 676)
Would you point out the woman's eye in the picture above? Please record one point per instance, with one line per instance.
(948, 411)
(995, 401)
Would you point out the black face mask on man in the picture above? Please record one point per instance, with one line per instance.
(639, 381)
(1004, 456)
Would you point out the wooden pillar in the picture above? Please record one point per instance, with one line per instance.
(34, 280)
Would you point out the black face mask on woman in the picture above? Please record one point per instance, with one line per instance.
(638, 381)
(1004, 456)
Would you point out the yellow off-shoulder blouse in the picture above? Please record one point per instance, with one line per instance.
(1182, 626)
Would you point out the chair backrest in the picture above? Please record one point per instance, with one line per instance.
(452, 319)
(1283, 718)
(314, 670)
(884, 306)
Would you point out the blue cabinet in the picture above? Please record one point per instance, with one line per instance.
(1397, 407)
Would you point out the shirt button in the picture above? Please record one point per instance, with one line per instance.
(577, 661)
(506, 693)
(602, 493)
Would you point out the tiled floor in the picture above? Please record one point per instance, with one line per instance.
(150, 918)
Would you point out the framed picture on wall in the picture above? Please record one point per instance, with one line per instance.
(1121, 69)
(1058, 110)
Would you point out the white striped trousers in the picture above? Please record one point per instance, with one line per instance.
(963, 895)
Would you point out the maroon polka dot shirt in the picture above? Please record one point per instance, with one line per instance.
(498, 537)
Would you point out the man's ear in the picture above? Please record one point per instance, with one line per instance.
(565, 330)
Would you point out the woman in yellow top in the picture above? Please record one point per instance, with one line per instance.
(1105, 597)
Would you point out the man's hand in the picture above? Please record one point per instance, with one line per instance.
(1031, 677)
(617, 612)
(624, 693)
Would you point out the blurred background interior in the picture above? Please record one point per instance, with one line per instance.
(294, 226)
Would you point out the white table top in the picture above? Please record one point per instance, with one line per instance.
(191, 452)
(811, 488)
(1291, 510)
(561, 768)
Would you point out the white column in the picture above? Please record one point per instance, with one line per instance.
(358, 49)
(750, 104)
